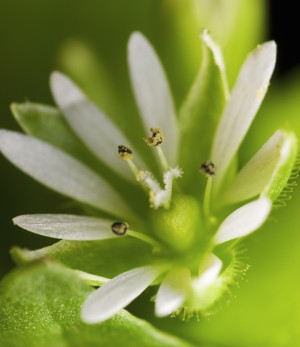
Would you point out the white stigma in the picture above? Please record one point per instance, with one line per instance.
(160, 196)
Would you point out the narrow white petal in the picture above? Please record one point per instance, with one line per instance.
(172, 292)
(66, 227)
(94, 128)
(244, 220)
(152, 92)
(257, 173)
(60, 172)
(246, 97)
(118, 293)
(209, 272)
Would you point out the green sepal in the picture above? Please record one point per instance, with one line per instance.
(200, 112)
(282, 174)
(106, 258)
(267, 172)
(206, 299)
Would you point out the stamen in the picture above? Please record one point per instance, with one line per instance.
(119, 228)
(156, 140)
(127, 154)
(208, 169)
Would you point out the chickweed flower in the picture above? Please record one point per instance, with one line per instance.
(193, 221)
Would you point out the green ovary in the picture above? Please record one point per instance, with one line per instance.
(179, 227)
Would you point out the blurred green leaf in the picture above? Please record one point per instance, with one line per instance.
(247, 28)
(40, 307)
(237, 25)
(78, 60)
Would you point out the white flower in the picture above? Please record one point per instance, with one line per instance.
(192, 276)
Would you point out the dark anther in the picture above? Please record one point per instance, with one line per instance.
(208, 168)
(157, 137)
(125, 152)
(119, 228)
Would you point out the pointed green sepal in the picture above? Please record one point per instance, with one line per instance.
(284, 169)
(201, 110)
(267, 172)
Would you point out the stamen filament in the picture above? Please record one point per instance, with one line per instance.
(126, 154)
(162, 158)
(132, 167)
(143, 237)
(207, 199)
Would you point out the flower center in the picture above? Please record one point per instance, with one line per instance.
(160, 195)
(175, 218)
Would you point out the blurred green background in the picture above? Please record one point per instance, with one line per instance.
(39, 36)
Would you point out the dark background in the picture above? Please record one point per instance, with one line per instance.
(284, 28)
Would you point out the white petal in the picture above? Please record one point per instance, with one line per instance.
(66, 227)
(118, 293)
(60, 172)
(172, 292)
(257, 173)
(244, 220)
(152, 92)
(209, 272)
(247, 95)
(95, 129)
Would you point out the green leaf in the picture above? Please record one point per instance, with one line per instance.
(200, 112)
(40, 307)
(106, 258)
